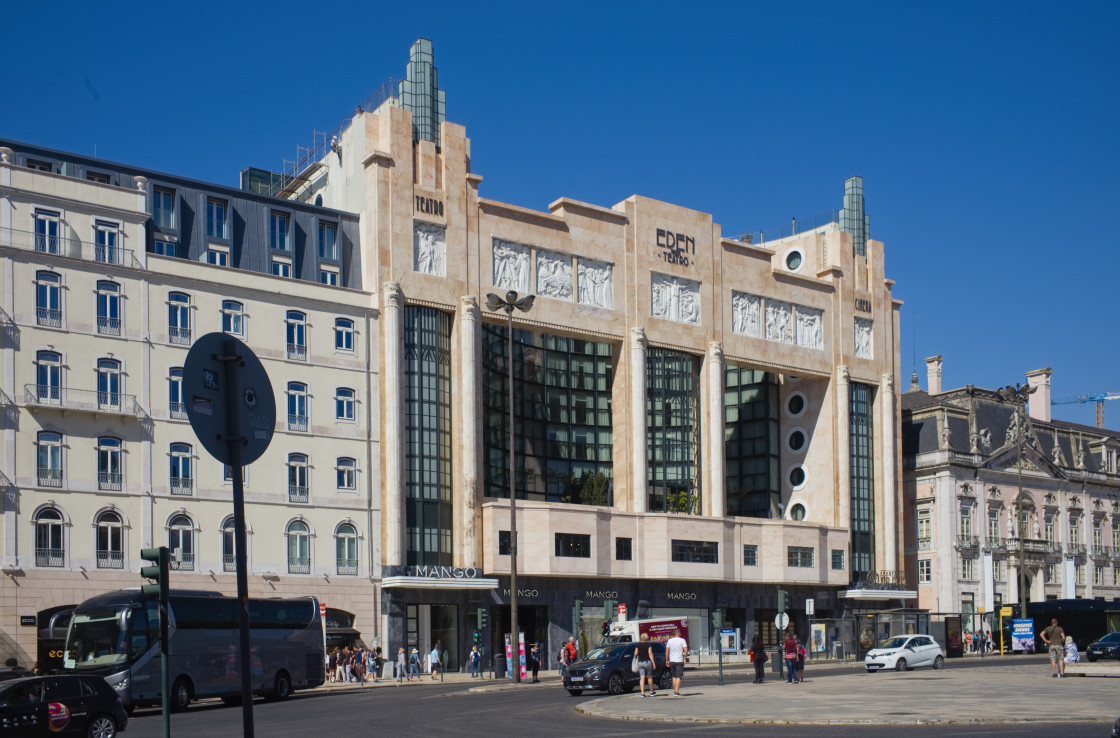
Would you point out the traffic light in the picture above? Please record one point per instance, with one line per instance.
(609, 609)
(781, 600)
(477, 637)
(717, 619)
(577, 615)
(158, 573)
(606, 629)
(481, 616)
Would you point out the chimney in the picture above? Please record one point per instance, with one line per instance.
(933, 374)
(1038, 405)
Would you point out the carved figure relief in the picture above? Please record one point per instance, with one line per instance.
(746, 314)
(986, 439)
(810, 327)
(676, 299)
(779, 321)
(864, 345)
(554, 275)
(511, 266)
(946, 437)
(594, 283)
(429, 249)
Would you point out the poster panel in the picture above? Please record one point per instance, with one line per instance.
(1022, 634)
(816, 637)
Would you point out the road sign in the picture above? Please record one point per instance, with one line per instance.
(622, 608)
(781, 621)
(810, 606)
(1006, 611)
(322, 608)
(205, 394)
(980, 609)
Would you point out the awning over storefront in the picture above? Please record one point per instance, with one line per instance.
(437, 583)
(868, 593)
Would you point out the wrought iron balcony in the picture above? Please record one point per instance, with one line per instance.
(347, 567)
(49, 477)
(1075, 549)
(299, 565)
(297, 423)
(964, 541)
(177, 410)
(1101, 552)
(54, 557)
(180, 336)
(49, 317)
(229, 562)
(297, 351)
(110, 481)
(89, 401)
(108, 326)
(182, 486)
(70, 248)
(297, 493)
(110, 559)
(182, 561)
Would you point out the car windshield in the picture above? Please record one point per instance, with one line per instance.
(1111, 638)
(898, 642)
(97, 638)
(603, 654)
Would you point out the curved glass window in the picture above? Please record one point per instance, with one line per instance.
(110, 541)
(346, 549)
(50, 546)
(180, 542)
(48, 299)
(299, 547)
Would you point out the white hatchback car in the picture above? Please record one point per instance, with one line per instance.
(905, 652)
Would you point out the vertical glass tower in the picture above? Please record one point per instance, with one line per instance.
(862, 481)
(853, 218)
(673, 431)
(420, 95)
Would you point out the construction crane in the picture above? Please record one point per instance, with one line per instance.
(1098, 398)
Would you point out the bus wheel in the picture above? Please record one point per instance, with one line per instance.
(282, 687)
(181, 694)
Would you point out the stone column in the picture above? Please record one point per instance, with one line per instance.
(843, 450)
(392, 321)
(468, 424)
(890, 502)
(640, 494)
(717, 483)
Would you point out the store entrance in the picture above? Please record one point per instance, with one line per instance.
(532, 620)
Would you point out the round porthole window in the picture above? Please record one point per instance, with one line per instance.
(797, 512)
(795, 404)
(794, 260)
(796, 440)
(797, 476)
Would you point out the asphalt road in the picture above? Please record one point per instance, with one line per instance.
(451, 710)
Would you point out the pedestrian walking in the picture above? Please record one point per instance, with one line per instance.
(1055, 638)
(414, 664)
(570, 650)
(434, 656)
(647, 665)
(789, 653)
(535, 660)
(402, 665)
(676, 653)
(476, 660)
(800, 661)
(758, 656)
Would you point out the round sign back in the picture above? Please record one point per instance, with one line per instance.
(207, 377)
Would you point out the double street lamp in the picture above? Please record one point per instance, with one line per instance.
(494, 302)
(1018, 396)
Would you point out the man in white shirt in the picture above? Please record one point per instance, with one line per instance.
(676, 653)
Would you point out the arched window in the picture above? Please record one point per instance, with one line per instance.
(179, 318)
(346, 549)
(229, 545)
(109, 467)
(298, 485)
(233, 317)
(108, 308)
(50, 547)
(109, 384)
(347, 473)
(297, 407)
(48, 377)
(344, 335)
(345, 405)
(110, 541)
(50, 459)
(180, 542)
(297, 335)
(176, 408)
(299, 547)
(48, 299)
(181, 478)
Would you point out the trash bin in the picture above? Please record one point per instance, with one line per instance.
(778, 661)
(838, 650)
(499, 667)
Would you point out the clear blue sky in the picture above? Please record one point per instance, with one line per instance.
(986, 132)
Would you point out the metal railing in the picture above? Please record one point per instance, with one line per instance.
(110, 481)
(71, 248)
(49, 317)
(298, 494)
(177, 410)
(180, 336)
(347, 567)
(964, 541)
(68, 398)
(55, 557)
(110, 559)
(297, 423)
(884, 579)
(182, 562)
(1077, 549)
(297, 351)
(49, 477)
(1101, 552)
(108, 326)
(299, 565)
(182, 486)
(795, 226)
(229, 562)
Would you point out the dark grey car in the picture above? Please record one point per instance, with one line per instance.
(608, 668)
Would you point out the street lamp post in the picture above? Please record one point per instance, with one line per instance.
(494, 302)
(1017, 396)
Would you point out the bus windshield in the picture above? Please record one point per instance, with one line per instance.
(98, 638)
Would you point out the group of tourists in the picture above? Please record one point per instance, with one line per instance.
(354, 666)
(979, 642)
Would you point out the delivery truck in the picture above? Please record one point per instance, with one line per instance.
(659, 629)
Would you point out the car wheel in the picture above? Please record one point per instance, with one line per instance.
(181, 694)
(900, 665)
(282, 686)
(939, 662)
(666, 680)
(102, 726)
(614, 684)
(575, 692)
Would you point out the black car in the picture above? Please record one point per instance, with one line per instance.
(1107, 647)
(607, 668)
(62, 705)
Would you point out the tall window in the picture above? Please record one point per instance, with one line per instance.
(345, 404)
(163, 208)
(48, 299)
(750, 410)
(278, 238)
(344, 335)
(50, 548)
(925, 571)
(108, 308)
(110, 541)
(47, 227)
(861, 443)
(106, 247)
(299, 547)
(109, 384)
(966, 523)
(346, 549)
(109, 467)
(297, 335)
(427, 433)
(673, 431)
(1074, 530)
(233, 317)
(1050, 528)
(297, 407)
(229, 545)
(298, 486)
(181, 479)
(215, 218)
(1116, 537)
(1098, 536)
(179, 318)
(49, 464)
(346, 470)
(48, 375)
(180, 542)
(176, 408)
(328, 249)
(924, 531)
(993, 525)
(966, 569)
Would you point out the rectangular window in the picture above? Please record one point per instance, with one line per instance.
(329, 277)
(925, 571)
(861, 446)
(966, 523)
(838, 559)
(695, 552)
(40, 166)
(623, 549)
(328, 249)
(1075, 531)
(47, 227)
(216, 255)
(503, 542)
(97, 177)
(750, 554)
(1116, 576)
(924, 537)
(279, 233)
(1080, 573)
(215, 218)
(751, 448)
(282, 268)
(993, 526)
(163, 208)
(968, 602)
(1050, 529)
(1098, 576)
(966, 569)
(573, 545)
(999, 571)
(1051, 574)
(672, 431)
(800, 557)
(164, 248)
(1116, 538)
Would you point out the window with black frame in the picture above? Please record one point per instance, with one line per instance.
(750, 408)
(673, 431)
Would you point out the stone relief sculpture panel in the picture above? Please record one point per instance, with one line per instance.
(864, 346)
(511, 266)
(746, 314)
(554, 275)
(779, 321)
(595, 283)
(429, 249)
(810, 327)
(676, 299)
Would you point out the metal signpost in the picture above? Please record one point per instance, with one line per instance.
(233, 412)
(781, 620)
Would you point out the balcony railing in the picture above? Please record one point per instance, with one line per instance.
(1101, 552)
(177, 410)
(229, 562)
(49, 317)
(110, 559)
(297, 352)
(925, 544)
(297, 423)
(110, 481)
(182, 561)
(182, 486)
(299, 565)
(92, 401)
(964, 541)
(297, 493)
(71, 248)
(49, 477)
(50, 556)
(108, 326)
(347, 567)
(1075, 549)
(181, 336)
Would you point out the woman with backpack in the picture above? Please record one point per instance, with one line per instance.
(414, 664)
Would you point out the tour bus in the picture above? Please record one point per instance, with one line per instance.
(116, 635)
